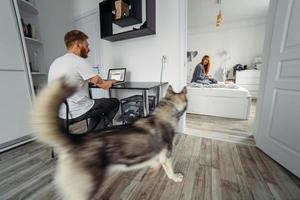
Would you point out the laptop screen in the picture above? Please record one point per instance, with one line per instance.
(117, 74)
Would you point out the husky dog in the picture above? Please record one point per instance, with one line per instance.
(84, 160)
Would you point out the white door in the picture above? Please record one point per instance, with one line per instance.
(278, 131)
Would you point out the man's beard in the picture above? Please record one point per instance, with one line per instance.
(83, 53)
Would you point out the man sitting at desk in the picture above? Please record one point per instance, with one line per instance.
(75, 66)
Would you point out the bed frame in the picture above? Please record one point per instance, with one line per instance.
(220, 102)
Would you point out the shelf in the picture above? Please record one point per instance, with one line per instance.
(27, 7)
(135, 14)
(107, 19)
(33, 41)
(127, 21)
(38, 73)
(129, 34)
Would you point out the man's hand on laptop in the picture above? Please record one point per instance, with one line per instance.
(106, 84)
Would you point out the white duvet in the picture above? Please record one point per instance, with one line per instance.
(217, 85)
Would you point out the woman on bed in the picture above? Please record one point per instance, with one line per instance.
(200, 74)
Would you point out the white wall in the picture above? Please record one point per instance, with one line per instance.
(204, 12)
(80, 7)
(142, 56)
(243, 41)
(55, 18)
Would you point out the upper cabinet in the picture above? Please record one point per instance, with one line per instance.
(122, 15)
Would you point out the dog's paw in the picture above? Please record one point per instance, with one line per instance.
(178, 177)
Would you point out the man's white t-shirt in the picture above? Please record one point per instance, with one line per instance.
(78, 70)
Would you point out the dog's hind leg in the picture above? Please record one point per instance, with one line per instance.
(167, 165)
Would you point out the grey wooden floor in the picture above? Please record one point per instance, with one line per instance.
(213, 169)
(225, 129)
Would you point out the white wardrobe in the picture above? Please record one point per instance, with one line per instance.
(16, 87)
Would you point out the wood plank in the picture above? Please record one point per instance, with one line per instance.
(134, 184)
(220, 136)
(16, 185)
(244, 189)
(206, 162)
(229, 184)
(239, 131)
(206, 152)
(117, 186)
(16, 155)
(199, 186)
(213, 169)
(281, 185)
(216, 184)
(40, 183)
(226, 165)
(159, 188)
(19, 150)
(22, 165)
(256, 183)
(47, 192)
(181, 164)
(144, 188)
(149, 184)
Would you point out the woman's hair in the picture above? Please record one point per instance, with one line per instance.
(206, 67)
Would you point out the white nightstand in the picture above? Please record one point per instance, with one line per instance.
(249, 79)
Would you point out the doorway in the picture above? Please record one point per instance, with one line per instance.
(232, 34)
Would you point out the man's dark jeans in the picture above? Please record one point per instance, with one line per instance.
(101, 114)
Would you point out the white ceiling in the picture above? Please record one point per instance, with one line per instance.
(202, 13)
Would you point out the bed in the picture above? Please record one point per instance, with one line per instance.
(220, 102)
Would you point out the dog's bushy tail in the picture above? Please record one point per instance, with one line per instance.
(46, 123)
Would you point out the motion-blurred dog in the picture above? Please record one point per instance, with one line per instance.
(84, 160)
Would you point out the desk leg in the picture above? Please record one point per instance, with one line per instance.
(90, 93)
(157, 94)
(109, 93)
(145, 103)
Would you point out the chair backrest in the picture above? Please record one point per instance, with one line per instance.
(67, 115)
(70, 121)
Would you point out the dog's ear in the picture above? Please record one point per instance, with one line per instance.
(169, 91)
(184, 90)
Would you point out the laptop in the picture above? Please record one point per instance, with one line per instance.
(117, 74)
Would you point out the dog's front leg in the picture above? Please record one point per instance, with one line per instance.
(167, 165)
